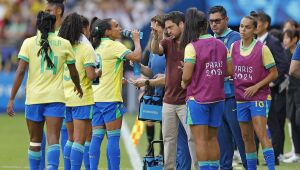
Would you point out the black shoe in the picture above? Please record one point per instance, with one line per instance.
(277, 162)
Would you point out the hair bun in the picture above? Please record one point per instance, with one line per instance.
(253, 13)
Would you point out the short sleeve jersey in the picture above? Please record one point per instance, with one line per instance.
(45, 84)
(84, 55)
(113, 55)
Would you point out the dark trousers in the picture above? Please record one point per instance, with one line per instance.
(293, 109)
(229, 133)
(276, 121)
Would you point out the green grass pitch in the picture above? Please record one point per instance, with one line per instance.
(14, 142)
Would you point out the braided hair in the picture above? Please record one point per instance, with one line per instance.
(45, 24)
(98, 28)
(71, 28)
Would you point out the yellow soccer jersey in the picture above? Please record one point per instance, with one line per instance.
(45, 84)
(189, 54)
(56, 31)
(84, 55)
(113, 55)
(267, 57)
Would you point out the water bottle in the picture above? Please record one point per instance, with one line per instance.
(147, 99)
(127, 33)
(136, 69)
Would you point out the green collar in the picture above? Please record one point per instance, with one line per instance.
(250, 46)
(205, 36)
(224, 34)
(103, 39)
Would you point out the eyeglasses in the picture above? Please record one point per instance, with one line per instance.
(217, 21)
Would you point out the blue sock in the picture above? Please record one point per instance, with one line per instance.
(214, 165)
(108, 160)
(86, 158)
(53, 156)
(34, 159)
(97, 138)
(63, 135)
(76, 156)
(43, 149)
(204, 165)
(67, 153)
(251, 160)
(269, 158)
(113, 148)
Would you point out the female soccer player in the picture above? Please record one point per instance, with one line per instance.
(78, 111)
(84, 39)
(253, 69)
(203, 76)
(57, 8)
(108, 108)
(44, 55)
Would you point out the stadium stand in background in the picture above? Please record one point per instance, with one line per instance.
(17, 19)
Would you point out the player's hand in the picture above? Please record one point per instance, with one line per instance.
(157, 32)
(138, 82)
(135, 35)
(124, 81)
(79, 91)
(10, 111)
(251, 91)
(180, 67)
(159, 75)
(98, 72)
(154, 32)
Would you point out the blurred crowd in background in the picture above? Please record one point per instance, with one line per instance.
(18, 18)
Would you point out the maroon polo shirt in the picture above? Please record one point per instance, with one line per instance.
(174, 94)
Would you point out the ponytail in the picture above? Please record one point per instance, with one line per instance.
(98, 28)
(45, 24)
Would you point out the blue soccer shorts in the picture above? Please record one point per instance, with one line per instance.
(105, 112)
(79, 113)
(204, 114)
(247, 110)
(38, 112)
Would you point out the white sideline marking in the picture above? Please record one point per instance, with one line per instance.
(133, 154)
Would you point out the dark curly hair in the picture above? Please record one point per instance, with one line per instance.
(71, 28)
